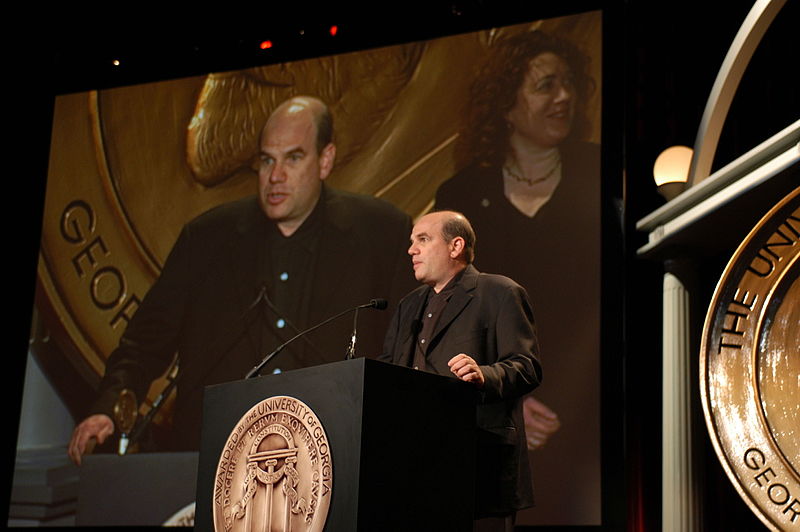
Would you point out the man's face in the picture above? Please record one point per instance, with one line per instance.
(543, 112)
(291, 171)
(431, 256)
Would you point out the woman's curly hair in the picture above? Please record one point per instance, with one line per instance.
(484, 134)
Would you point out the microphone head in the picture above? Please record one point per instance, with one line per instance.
(379, 304)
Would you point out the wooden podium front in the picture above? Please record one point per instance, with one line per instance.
(400, 445)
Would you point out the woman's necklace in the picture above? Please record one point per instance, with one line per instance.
(509, 172)
(527, 194)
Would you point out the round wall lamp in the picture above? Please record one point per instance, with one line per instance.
(671, 171)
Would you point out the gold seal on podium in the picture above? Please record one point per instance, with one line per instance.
(750, 367)
(275, 471)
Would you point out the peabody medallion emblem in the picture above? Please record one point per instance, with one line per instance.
(275, 471)
(750, 367)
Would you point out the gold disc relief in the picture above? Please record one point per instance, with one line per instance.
(750, 367)
(275, 471)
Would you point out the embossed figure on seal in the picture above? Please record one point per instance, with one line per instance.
(274, 472)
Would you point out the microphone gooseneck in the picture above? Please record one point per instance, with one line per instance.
(379, 304)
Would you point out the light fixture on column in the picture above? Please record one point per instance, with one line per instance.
(671, 170)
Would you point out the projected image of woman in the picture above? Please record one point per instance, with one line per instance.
(530, 185)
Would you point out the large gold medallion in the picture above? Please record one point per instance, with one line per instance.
(750, 367)
(275, 471)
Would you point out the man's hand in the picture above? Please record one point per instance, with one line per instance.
(540, 422)
(98, 426)
(465, 368)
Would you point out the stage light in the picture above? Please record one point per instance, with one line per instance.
(671, 170)
(265, 45)
(334, 30)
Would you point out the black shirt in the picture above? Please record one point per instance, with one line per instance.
(431, 313)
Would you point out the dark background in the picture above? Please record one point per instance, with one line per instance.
(660, 62)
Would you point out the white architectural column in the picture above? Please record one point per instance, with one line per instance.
(679, 500)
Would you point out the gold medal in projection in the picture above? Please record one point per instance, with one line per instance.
(750, 367)
(275, 471)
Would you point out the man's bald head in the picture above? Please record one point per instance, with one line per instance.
(442, 244)
(318, 111)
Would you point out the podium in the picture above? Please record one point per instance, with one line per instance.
(396, 451)
(135, 490)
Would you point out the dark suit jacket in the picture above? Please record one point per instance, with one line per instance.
(490, 319)
(199, 305)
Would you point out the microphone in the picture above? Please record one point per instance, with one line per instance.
(379, 304)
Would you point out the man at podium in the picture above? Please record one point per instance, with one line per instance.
(479, 328)
(246, 276)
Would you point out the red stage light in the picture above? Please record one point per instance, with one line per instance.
(266, 44)
(334, 30)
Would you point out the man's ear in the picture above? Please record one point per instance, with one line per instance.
(326, 160)
(456, 247)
